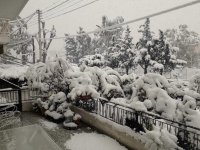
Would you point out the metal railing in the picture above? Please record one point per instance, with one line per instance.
(188, 136)
(9, 96)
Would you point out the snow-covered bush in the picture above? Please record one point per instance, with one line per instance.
(57, 109)
(93, 60)
(107, 82)
(48, 76)
(160, 139)
(195, 83)
(80, 85)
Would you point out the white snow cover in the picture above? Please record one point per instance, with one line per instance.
(3, 100)
(48, 125)
(157, 139)
(70, 125)
(92, 141)
(53, 114)
(8, 71)
(77, 117)
(93, 60)
(48, 76)
(69, 113)
(160, 139)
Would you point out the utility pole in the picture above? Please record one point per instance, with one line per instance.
(33, 44)
(39, 34)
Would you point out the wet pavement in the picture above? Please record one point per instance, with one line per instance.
(56, 131)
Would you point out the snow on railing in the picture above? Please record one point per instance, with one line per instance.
(188, 136)
(9, 96)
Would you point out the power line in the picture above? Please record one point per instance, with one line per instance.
(72, 10)
(20, 42)
(17, 20)
(56, 6)
(24, 23)
(46, 17)
(134, 20)
(15, 58)
(51, 5)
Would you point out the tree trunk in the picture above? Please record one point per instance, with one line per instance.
(127, 69)
(24, 59)
(33, 44)
(145, 69)
(161, 72)
(44, 57)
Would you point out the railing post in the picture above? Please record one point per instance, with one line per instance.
(20, 100)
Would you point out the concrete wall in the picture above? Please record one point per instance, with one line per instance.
(110, 130)
(27, 106)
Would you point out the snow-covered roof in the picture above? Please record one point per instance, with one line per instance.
(10, 9)
(8, 71)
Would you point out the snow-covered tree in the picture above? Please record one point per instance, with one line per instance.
(19, 33)
(93, 60)
(77, 47)
(83, 43)
(146, 35)
(127, 52)
(156, 54)
(121, 53)
(144, 46)
(187, 41)
(103, 40)
(70, 47)
(48, 76)
(46, 43)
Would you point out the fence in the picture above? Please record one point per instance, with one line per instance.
(188, 136)
(28, 95)
(8, 96)
(16, 97)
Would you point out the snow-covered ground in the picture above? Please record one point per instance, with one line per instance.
(48, 125)
(92, 141)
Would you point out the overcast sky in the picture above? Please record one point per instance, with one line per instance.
(90, 16)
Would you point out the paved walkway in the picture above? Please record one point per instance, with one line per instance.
(56, 132)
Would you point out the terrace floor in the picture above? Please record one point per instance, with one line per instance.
(56, 131)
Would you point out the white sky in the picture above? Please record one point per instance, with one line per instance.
(90, 16)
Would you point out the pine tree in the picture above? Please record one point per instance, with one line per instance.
(146, 34)
(144, 46)
(83, 43)
(187, 41)
(78, 47)
(103, 39)
(70, 47)
(127, 54)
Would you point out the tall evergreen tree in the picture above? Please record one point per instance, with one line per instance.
(144, 46)
(127, 53)
(187, 41)
(70, 47)
(103, 39)
(77, 47)
(83, 43)
(155, 54)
